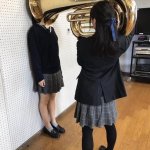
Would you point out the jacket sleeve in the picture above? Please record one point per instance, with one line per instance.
(78, 47)
(124, 41)
(34, 56)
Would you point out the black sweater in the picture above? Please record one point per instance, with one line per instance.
(43, 50)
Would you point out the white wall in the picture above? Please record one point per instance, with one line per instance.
(4, 133)
(125, 59)
(19, 100)
(143, 3)
(19, 113)
(67, 45)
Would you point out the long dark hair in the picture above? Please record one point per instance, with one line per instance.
(103, 12)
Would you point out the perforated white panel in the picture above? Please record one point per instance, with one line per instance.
(21, 103)
(5, 143)
(23, 119)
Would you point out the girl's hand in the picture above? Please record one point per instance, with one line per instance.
(42, 83)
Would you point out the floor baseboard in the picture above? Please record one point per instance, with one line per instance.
(27, 143)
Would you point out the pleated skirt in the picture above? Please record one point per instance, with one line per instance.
(96, 116)
(53, 83)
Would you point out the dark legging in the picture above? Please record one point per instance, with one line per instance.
(87, 137)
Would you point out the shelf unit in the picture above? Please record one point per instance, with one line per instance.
(140, 70)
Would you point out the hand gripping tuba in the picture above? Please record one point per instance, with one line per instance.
(126, 13)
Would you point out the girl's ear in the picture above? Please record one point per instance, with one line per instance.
(94, 23)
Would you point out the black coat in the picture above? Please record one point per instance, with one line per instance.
(99, 76)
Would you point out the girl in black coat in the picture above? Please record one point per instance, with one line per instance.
(100, 81)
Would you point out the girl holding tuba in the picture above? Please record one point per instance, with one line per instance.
(100, 82)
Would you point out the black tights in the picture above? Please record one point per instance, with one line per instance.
(87, 137)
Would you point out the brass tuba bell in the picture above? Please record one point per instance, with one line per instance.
(126, 13)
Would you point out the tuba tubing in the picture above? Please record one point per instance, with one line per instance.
(39, 7)
(126, 13)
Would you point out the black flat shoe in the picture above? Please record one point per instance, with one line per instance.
(58, 128)
(53, 133)
(102, 147)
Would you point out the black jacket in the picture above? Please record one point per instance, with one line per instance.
(99, 76)
(44, 51)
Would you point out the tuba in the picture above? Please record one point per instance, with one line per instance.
(125, 10)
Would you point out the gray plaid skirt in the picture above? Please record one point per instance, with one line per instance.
(96, 116)
(53, 83)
